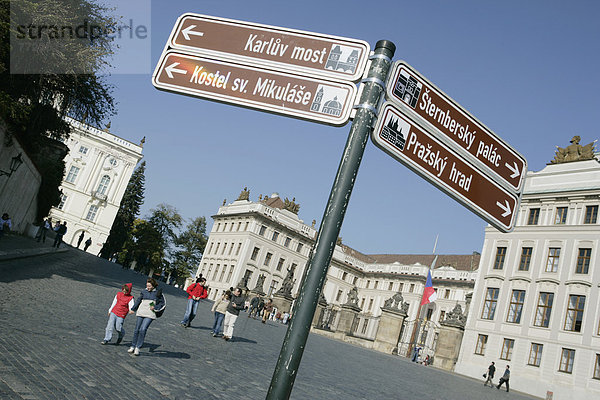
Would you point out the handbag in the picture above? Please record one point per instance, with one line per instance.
(485, 375)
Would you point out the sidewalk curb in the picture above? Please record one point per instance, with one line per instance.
(25, 253)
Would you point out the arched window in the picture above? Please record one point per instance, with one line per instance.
(103, 185)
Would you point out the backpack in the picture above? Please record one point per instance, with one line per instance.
(160, 312)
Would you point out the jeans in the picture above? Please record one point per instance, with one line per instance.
(114, 320)
(229, 323)
(139, 334)
(218, 325)
(57, 240)
(190, 311)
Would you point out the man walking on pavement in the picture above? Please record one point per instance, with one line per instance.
(490, 375)
(88, 243)
(236, 303)
(253, 306)
(60, 232)
(195, 292)
(80, 239)
(504, 378)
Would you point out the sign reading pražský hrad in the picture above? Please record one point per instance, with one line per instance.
(438, 163)
(307, 53)
(267, 90)
(418, 97)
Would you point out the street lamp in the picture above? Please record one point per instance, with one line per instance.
(15, 163)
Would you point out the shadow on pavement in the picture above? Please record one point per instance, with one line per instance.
(152, 350)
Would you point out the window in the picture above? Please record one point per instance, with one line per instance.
(400, 286)
(412, 288)
(566, 360)
(239, 226)
(273, 287)
(72, 175)
(391, 286)
(246, 227)
(442, 315)
(287, 242)
(112, 162)
(364, 326)
(534, 216)
(481, 342)
(299, 248)
(516, 306)
(368, 284)
(553, 257)
(223, 273)
(293, 267)
(217, 248)
(354, 280)
(83, 150)
(224, 247)
(339, 295)
(507, 348)
(230, 273)
(574, 318)
(210, 247)
(591, 214)
(214, 278)
(447, 293)
(225, 227)
(103, 185)
(597, 367)
(275, 236)
(63, 200)
(268, 259)
(344, 275)
(561, 216)
(262, 230)
(218, 227)
(500, 256)
(583, 261)
(544, 309)
(254, 253)
(376, 285)
(237, 251)
(535, 354)
(489, 307)
(280, 264)
(91, 215)
(525, 258)
(370, 305)
(362, 303)
(231, 248)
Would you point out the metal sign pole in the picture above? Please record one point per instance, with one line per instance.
(297, 333)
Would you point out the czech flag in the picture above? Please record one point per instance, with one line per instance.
(429, 294)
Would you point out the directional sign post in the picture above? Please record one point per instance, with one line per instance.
(308, 53)
(448, 121)
(294, 95)
(438, 163)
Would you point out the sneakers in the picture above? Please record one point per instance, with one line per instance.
(214, 334)
(104, 342)
(226, 338)
(131, 349)
(136, 352)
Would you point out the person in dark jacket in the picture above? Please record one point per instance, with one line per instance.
(195, 292)
(236, 303)
(490, 374)
(504, 378)
(148, 301)
(60, 232)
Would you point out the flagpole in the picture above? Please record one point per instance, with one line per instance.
(417, 326)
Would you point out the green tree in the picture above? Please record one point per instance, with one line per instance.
(141, 246)
(190, 246)
(167, 221)
(47, 85)
(133, 198)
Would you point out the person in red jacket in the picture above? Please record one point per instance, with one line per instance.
(195, 292)
(118, 310)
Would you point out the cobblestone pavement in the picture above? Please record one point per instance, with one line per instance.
(53, 312)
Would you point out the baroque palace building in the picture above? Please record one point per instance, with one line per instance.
(98, 167)
(263, 247)
(536, 300)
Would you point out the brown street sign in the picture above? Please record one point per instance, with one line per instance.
(412, 93)
(269, 46)
(400, 137)
(279, 92)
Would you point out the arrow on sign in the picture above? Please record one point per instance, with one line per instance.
(190, 31)
(505, 207)
(171, 68)
(515, 170)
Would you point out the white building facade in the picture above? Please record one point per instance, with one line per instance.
(249, 239)
(535, 305)
(98, 168)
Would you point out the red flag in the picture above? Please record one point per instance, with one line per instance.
(429, 294)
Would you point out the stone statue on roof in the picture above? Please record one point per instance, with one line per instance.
(574, 152)
(291, 205)
(244, 195)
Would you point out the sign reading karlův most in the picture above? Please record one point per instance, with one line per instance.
(407, 142)
(303, 97)
(415, 95)
(307, 53)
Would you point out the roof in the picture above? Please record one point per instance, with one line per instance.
(463, 262)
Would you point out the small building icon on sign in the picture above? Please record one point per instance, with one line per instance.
(408, 89)
(394, 131)
(336, 60)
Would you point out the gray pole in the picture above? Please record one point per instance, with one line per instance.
(297, 333)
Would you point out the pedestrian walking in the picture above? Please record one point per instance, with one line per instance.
(236, 303)
(267, 309)
(118, 310)
(148, 301)
(46, 226)
(219, 308)
(253, 306)
(5, 224)
(60, 232)
(195, 292)
(80, 239)
(88, 243)
(504, 378)
(489, 375)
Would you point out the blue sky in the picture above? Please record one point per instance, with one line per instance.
(527, 70)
